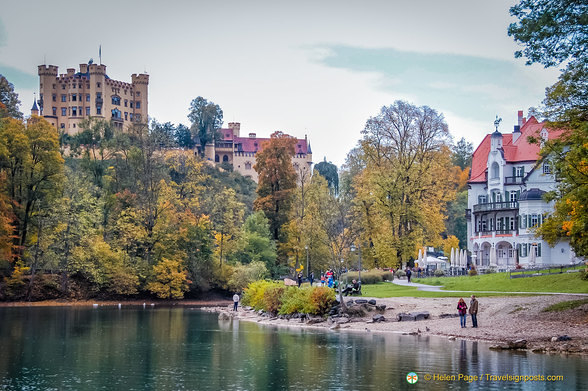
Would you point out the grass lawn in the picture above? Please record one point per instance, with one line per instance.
(566, 305)
(566, 282)
(388, 289)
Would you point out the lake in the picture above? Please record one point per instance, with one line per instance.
(181, 348)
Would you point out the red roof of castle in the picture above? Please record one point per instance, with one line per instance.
(254, 144)
(519, 151)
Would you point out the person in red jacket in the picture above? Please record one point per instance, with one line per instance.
(462, 309)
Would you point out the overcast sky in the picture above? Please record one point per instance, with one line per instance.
(320, 68)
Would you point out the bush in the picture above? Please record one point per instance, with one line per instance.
(272, 298)
(583, 275)
(473, 272)
(490, 271)
(439, 273)
(254, 294)
(400, 273)
(321, 300)
(243, 275)
(371, 277)
(294, 300)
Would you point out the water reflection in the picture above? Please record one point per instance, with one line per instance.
(185, 349)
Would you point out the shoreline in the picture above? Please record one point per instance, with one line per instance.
(501, 320)
(108, 303)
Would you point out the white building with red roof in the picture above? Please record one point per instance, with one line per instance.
(505, 200)
(239, 152)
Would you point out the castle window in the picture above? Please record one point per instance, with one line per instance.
(126, 103)
(74, 125)
(138, 105)
(138, 93)
(116, 100)
(87, 111)
(131, 116)
(54, 97)
(225, 158)
(73, 85)
(88, 85)
(495, 170)
(53, 86)
(74, 97)
(63, 86)
(63, 111)
(98, 85)
(54, 111)
(115, 113)
(247, 165)
(63, 98)
(126, 116)
(87, 97)
(131, 104)
(74, 112)
(99, 110)
(62, 126)
(216, 159)
(546, 168)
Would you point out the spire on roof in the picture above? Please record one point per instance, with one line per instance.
(309, 150)
(35, 108)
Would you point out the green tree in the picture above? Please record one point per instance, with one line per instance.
(461, 154)
(8, 100)
(329, 171)
(227, 217)
(207, 119)
(456, 223)
(95, 144)
(551, 31)
(183, 137)
(255, 243)
(33, 170)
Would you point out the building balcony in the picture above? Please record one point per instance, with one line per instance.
(513, 180)
(496, 206)
(497, 232)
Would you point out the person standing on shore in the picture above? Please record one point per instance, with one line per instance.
(462, 309)
(299, 279)
(474, 311)
(235, 301)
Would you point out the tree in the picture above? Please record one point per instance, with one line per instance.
(207, 119)
(227, 216)
(551, 31)
(164, 134)
(456, 223)
(95, 143)
(8, 100)
(406, 182)
(33, 170)
(255, 243)
(329, 171)
(183, 137)
(277, 181)
(169, 279)
(461, 154)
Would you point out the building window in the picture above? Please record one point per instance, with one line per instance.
(126, 103)
(54, 97)
(63, 111)
(131, 116)
(534, 220)
(98, 85)
(63, 86)
(481, 199)
(138, 105)
(87, 97)
(87, 111)
(131, 104)
(62, 126)
(98, 95)
(74, 111)
(247, 165)
(546, 168)
(73, 85)
(520, 171)
(512, 224)
(126, 116)
(88, 85)
(74, 97)
(225, 158)
(54, 111)
(63, 98)
(99, 110)
(116, 100)
(513, 196)
(216, 158)
(497, 196)
(138, 93)
(137, 117)
(115, 113)
(53, 86)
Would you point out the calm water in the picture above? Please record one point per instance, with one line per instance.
(186, 349)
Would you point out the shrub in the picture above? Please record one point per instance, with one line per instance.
(272, 298)
(439, 273)
(243, 275)
(371, 277)
(473, 272)
(254, 294)
(490, 271)
(388, 276)
(400, 273)
(294, 300)
(583, 275)
(321, 301)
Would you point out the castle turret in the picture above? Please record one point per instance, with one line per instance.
(34, 109)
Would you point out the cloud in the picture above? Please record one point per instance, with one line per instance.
(468, 86)
(19, 78)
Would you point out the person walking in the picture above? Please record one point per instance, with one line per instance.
(408, 274)
(235, 301)
(474, 311)
(462, 309)
(299, 279)
(311, 278)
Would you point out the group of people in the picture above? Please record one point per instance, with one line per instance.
(328, 279)
(462, 309)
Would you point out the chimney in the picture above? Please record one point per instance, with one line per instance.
(521, 119)
(516, 133)
(252, 135)
(235, 127)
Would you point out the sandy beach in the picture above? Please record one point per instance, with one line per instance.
(500, 320)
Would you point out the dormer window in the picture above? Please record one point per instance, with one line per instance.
(546, 168)
(520, 171)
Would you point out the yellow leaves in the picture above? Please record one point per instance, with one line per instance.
(169, 279)
(567, 227)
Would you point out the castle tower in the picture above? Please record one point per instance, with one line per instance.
(34, 109)
(140, 87)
